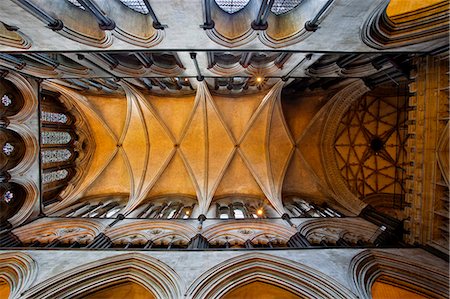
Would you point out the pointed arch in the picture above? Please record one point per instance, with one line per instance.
(299, 279)
(148, 272)
(19, 270)
(406, 272)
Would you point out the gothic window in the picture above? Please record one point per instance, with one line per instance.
(58, 152)
(77, 4)
(54, 117)
(53, 176)
(12, 149)
(11, 100)
(6, 100)
(283, 6)
(113, 212)
(298, 207)
(55, 137)
(223, 212)
(8, 196)
(53, 156)
(239, 212)
(136, 5)
(8, 149)
(249, 208)
(232, 6)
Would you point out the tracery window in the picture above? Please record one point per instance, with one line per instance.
(136, 5)
(232, 6)
(53, 176)
(6, 100)
(167, 210)
(58, 151)
(283, 6)
(8, 149)
(248, 208)
(8, 196)
(54, 117)
(298, 207)
(55, 137)
(53, 156)
(77, 4)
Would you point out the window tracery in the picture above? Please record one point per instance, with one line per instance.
(77, 4)
(53, 176)
(8, 149)
(8, 196)
(53, 156)
(283, 6)
(240, 210)
(136, 5)
(55, 137)
(6, 100)
(232, 6)
(54, 117)
(166, 210)
(298, 207)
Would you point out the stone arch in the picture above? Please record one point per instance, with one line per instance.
(65, 230)
(299, 279)
(29, 205)
(148, 272)
(143, 231)
(242, 230)
(31, 146)
(405, 272)
(29, 94)
(18, 270)
(426, 25)
(339, 105)
(349, 229)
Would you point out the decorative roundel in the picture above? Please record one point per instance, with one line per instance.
(12, 149)
(12, 198)
(11, 99)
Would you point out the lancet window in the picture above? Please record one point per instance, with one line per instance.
(136, 5)
(298, 207)
(248, 208)
(232, 6)
(58, 152)
(284, 6)
(170, 209)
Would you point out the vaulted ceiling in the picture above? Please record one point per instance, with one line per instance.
(201, 145)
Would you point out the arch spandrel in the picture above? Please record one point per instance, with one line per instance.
(150, 273)
(298, 279)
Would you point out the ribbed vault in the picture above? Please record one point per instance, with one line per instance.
(200, 146)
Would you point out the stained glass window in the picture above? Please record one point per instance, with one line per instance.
(53, 156)
(8, 148)
(55, 137)
(54, 176)
(77, 4)
(8, 196)
(54, 117)
(283, 6)
(6, 101)
(136, 5)
(232, 6)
